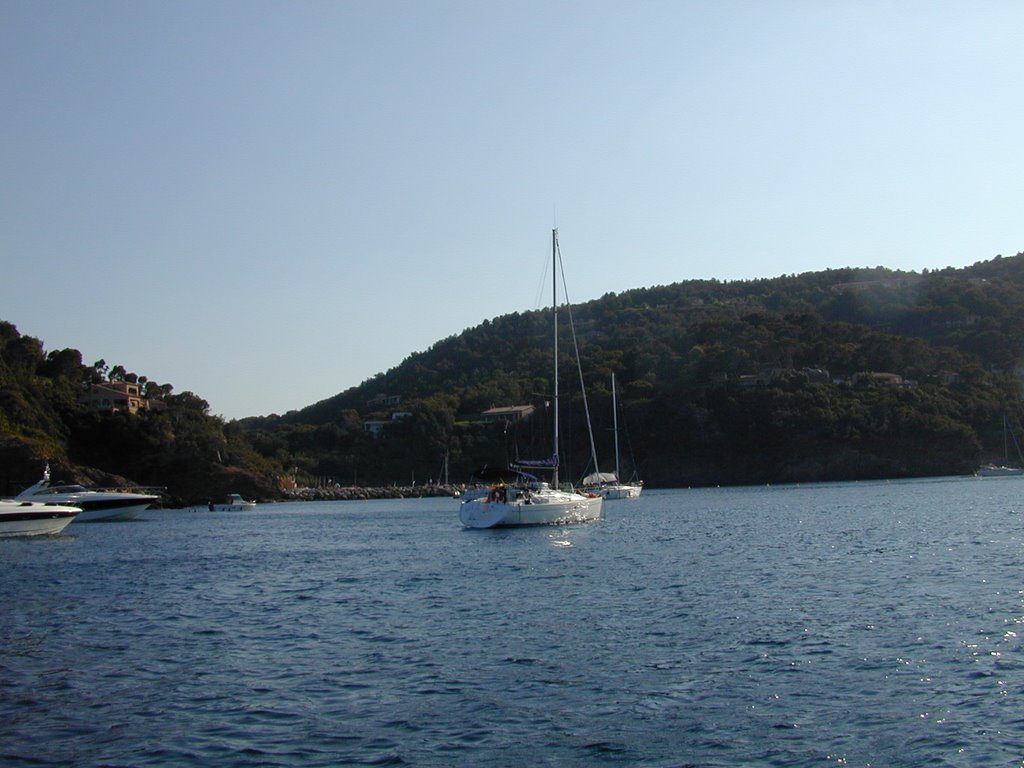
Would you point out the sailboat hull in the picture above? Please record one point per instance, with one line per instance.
(559, 508)
(992, 470)
(613, 492)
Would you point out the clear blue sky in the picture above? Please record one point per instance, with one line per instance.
(267, 203)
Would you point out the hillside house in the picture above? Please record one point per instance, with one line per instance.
(377, 428)
(882, 379)
(114, 397)
(508, 413)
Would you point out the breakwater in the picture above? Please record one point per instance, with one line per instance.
(353, 493)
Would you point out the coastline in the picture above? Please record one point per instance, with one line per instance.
(359, 493)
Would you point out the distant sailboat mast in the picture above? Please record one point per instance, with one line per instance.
(615, 426)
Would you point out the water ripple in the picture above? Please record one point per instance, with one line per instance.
(802, 626)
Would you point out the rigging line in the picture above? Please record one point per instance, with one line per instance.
(579, 363)
(1008, 428)
(542, 285)
(629, 443)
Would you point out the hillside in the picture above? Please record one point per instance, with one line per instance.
(45, 418)
(841, 374)
(742, 382)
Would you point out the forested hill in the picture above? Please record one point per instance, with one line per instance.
(852, 373)
(841, 374)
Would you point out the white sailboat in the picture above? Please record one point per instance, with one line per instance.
(520, 498)
(606, 484)
(1006, 469)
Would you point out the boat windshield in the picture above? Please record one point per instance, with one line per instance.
(65, 489)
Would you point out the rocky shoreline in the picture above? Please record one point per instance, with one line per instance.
(350, 493)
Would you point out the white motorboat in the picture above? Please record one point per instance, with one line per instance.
(233, 503)
(32, 518)
(607, 484)
(527, 500)
(95, 505)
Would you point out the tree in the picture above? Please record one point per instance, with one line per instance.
(63, 362)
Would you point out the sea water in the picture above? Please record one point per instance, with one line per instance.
(861, 624)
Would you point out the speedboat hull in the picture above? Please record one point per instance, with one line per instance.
(106, 514)
(95, 506)
(22, 518)
(233, 503)
(563, 509)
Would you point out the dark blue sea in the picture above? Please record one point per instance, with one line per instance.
(861, 624)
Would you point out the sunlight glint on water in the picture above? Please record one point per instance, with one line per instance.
(848, 624)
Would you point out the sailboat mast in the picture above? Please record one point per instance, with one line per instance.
(554, 307)
(615, 426)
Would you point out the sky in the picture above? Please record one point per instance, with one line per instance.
(267, 203)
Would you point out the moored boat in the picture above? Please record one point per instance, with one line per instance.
(1005, 469)
(615, 490)
(607, 484)
(233, 503)
(29, 518)
(95, 505)
(518, 498)
(527, 500)
(998, 470)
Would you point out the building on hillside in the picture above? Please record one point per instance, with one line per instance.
(378, 428)
(114, 397)
(882, 379)
(762, 379)
(508, 413)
